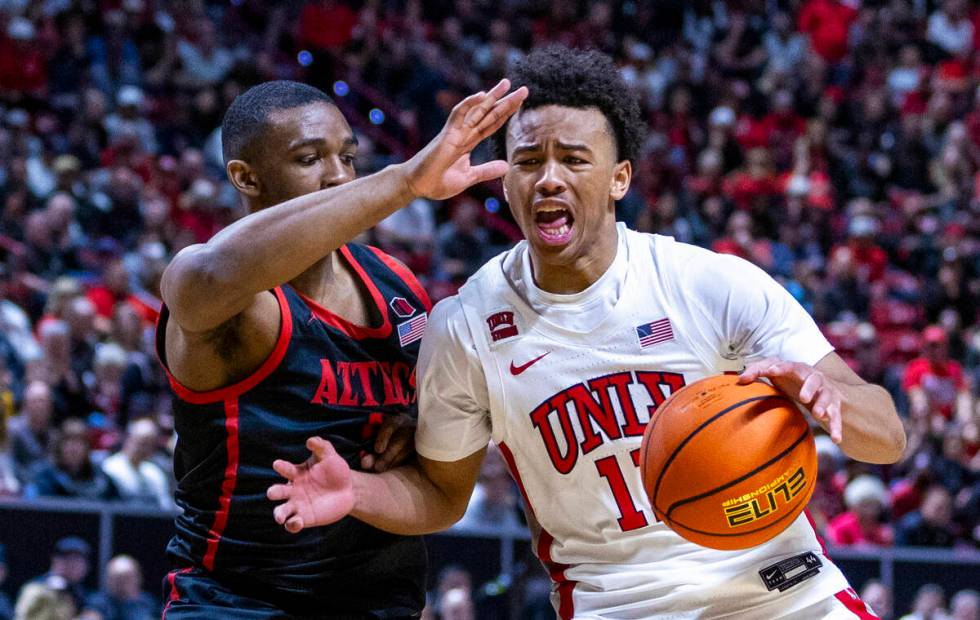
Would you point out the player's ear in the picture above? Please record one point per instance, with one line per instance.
(243, 177)
(622, 175)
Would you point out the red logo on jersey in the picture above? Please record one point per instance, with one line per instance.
(401, 307)
(597, 404)
(516, 370)
(502, 325)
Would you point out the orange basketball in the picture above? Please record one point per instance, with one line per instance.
(728, 466)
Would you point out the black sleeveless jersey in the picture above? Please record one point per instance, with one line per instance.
(325, 377)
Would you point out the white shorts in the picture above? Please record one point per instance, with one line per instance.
(845, 605)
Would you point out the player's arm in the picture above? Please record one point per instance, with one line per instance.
(746, 312)
(430, 494)
(859, 416)
(208, 284)
(426, 496)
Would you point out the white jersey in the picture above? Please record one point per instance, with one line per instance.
(565, 385)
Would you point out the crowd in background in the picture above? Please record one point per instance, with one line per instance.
(834, 144)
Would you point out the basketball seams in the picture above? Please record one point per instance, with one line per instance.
(701, 427)
(743, 477)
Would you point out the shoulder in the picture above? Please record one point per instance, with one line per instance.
(447, 321)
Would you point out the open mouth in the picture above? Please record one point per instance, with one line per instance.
(554, 224)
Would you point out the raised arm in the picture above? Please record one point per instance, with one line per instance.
(208, 284)
(424, 497)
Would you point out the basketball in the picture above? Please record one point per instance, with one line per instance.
(728, 466)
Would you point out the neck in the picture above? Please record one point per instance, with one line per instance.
(320, 277)
(566, 278)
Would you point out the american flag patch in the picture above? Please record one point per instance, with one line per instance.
(655, 332)
(411, 330)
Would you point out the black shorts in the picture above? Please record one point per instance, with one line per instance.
(196, 594)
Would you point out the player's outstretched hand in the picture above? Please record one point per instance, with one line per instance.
(442, 168)
(318, 492)
(394, 445)
(814, 389)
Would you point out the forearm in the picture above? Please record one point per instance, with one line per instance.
(210, 283)
(872, 430)
(403, 501)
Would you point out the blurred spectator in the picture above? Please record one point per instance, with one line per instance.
(71, 472)
(827, 500)
(878, 598)
(203, 61)
(460, 247)
(123, 597)
(457, 604)
(9, 482)
(47, 600)
(138, 479)
(861, 525)
(935, 383)
(929, 604)
(965, 605)
(69, 567)
(408, 234)
(950, 27)
(494, 500)
(31, 433)
(930, 525)
(6, 609)
(827, 23)
(127, 121)
(57, 368)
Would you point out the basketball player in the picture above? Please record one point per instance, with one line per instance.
(278, 329)
(559, 349)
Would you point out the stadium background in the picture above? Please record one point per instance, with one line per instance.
(835, 144)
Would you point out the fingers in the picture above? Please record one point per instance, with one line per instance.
(488, 171)
(285, 469)
(321, 448)
(487, 101)
(755, 370)
(836, 423)
(294, 525)
(282, 512)
(384, 435)
(279, 492)
(463, 107)
(397, 450)
(500, 112)
(812, 386)
(368, 461)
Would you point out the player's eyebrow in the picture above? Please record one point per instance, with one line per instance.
(348, 141)
(525, 148)
(568, 146)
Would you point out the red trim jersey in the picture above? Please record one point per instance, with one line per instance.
(565, 385)
(325, 377)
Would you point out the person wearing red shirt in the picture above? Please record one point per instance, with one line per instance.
(827, 22)
(327, 24)
(935, 383)
(866, 260)
(865, 498)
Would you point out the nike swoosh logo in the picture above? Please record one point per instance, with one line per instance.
(516, 370)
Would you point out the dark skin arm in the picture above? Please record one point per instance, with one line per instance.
(217, 291)
(208, 284)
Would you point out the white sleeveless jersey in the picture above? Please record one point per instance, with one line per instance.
(568, 409)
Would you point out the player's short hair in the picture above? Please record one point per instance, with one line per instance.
(247, 117)
(559, 75)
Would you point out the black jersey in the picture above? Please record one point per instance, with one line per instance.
(325, 377)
